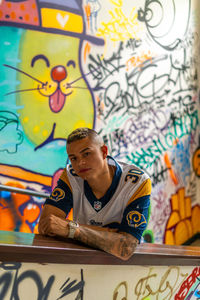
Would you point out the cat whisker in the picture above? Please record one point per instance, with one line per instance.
(82, 76)
(20, 91)
(18, 70)
(76, 87)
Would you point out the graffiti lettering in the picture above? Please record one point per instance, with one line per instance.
(101, 69)
(187, 284)
(180, 127)
(119, 287)
(166, 286)
(119, 27)
(44, 291)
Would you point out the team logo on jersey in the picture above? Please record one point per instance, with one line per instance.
(72, 172)
(93, 222)
(57, 194)
(135, 219)
(97, 205)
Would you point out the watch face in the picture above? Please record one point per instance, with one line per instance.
(72, 229)
(73, 224)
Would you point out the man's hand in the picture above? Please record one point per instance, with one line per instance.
(53, 221)
(53, 225)
(120, 244)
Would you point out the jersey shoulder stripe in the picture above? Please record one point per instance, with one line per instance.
(65, 179)
(143, 190)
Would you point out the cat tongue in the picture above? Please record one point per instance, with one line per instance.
(57, 101)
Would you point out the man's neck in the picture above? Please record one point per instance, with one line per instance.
(101, 184)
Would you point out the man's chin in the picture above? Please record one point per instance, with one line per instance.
(85, 175)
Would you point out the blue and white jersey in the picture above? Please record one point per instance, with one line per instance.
(124, 206)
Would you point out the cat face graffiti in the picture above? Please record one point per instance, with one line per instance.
(53, 97)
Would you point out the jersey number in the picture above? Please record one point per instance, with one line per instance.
(133, 175)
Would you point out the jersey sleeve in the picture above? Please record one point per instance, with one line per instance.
(136, 214)
(61, 196)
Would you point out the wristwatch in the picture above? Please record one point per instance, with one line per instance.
(72, 229)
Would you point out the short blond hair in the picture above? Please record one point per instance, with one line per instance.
(83, 132)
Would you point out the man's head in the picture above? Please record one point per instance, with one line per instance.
(84, 132)
(87, 153)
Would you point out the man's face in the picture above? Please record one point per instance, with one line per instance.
(87, 158)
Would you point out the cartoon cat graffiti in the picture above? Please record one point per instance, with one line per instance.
(58, 101)
(52, 94)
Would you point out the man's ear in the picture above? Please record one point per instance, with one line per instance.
(104, 150)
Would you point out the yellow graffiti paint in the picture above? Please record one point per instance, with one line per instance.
(120, 27)
(184, 222)
(25, 120)
(36, 129)
(82, 123)
(45, 133)
(54, 18)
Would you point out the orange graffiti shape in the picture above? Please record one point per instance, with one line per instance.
(18, 213)
(171, 172)
(183, 222)
(138, 61)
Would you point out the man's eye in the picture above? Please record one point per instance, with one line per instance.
(86, 153)
(73, 159)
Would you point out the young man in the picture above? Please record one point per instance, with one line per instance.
(110, 199)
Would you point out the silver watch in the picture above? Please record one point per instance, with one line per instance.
(72, 229)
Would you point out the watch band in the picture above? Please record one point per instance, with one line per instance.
(72, 229)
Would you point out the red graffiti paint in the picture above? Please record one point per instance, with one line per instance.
(187, 284)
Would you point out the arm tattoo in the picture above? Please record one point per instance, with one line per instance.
(119, 244)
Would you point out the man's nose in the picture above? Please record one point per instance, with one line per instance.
(81, 162)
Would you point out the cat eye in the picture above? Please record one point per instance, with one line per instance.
(41, 56)
(71, 63)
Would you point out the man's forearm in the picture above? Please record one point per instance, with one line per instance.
(121, 245)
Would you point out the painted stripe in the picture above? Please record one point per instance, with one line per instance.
(143, 190)
(65, 178)
(22, 174)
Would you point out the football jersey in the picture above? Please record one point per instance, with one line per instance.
(124, 206)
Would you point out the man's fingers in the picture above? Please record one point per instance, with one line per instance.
(52, 225)
(44, 227)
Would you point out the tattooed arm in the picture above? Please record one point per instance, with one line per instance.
(119, 244)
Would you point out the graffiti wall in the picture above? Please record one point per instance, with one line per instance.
(130, 70)
(75, 282)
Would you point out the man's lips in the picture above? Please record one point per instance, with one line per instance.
(84, 170)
